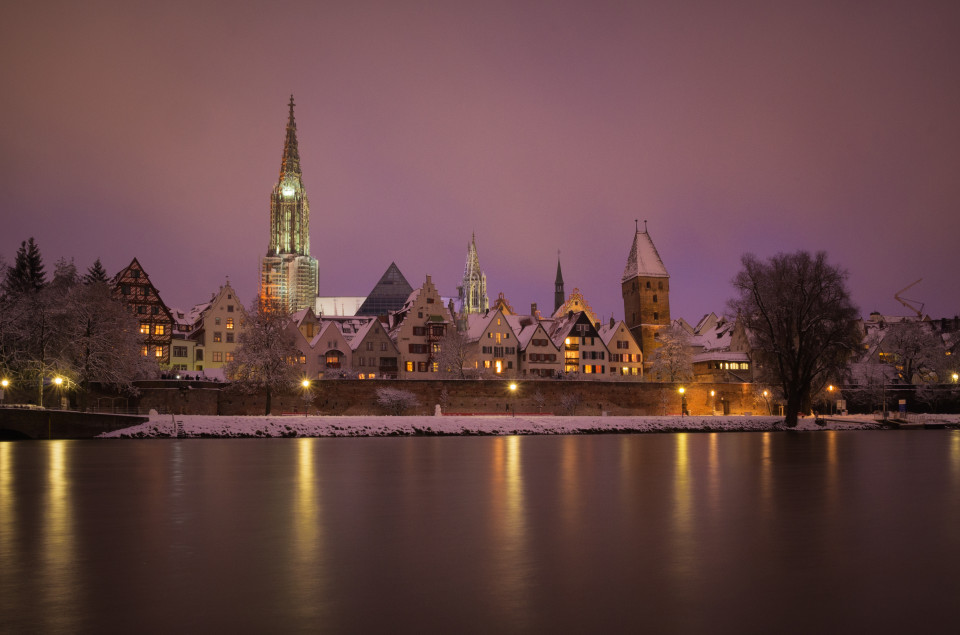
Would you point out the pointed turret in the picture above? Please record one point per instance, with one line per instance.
(558, 294)
(290, 165)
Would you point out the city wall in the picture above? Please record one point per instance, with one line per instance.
(352, 397)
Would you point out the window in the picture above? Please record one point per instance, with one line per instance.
(155, 310)
(421, 367)
(409, 367)
(228, 357)
(144, 328)
(145, 351)
(217, 336)
(199, 355)
(429, 300)
(229, 307)
(158, 352)
(216, 321)
(230, 338)
(435, 348)
(217, 356)
(654, 297)
(419, 331)
(369, 346)
(158, 329)
(230, 323)
(179, 351)
(125, 289)
(656, 316)
(486, 363)
(648, 284)
(418, 349)
(660, 285)
(436, 367)
(142, 310)
(135, 273)
(383, 346)
(333, 359)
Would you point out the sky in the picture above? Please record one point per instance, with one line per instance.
(155, 131)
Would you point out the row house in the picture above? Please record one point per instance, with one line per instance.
(623, 352)
(719, 349)
(206, 337)
(491, 344)
(343, 346)
(418, 330)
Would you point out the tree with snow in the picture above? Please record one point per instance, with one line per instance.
(916, 351)
(27, 272)
(454, 353)
(265, 352)
(672, 360)
(804, 322)
(395, 400)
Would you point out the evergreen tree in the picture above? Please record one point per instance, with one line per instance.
(65, 276)
(27, 273)
(96, 273)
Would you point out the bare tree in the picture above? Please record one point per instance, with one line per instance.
(540, 400)
(569, 401)
(395, 400)
(672, 360)
(265, 352)
(799, 310)
(454, 353)
(915, 350)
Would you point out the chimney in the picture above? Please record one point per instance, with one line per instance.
(533, 308)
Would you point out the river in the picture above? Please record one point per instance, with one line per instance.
(654, 533)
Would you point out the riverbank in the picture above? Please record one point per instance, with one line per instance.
(161, 426)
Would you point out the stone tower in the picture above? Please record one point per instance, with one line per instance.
(559, 297)
(646, 294)
(288, 274)
(473, 288)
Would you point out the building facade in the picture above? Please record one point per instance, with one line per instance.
(133, 286)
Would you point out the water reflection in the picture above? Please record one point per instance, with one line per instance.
(683, 517)
(509, 515)
(58, 573)
(306, 545)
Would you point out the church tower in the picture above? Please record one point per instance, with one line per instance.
(646, 294)
(473, 288)
(288, 274)
(559, 297)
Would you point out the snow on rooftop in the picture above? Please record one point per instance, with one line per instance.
(644, 261)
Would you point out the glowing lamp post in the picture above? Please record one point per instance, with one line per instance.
(683, 400)
(955, 378)
(306, 396)
(513, 397)
(830, 390)
(4, 383)
(767, 401)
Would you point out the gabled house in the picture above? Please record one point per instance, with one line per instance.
(624, 355)
(491, 344)
(539, 356)
(331, 355)
(583, 350)
(133, 286)
(375, 356)
(418, 330)
(720, 351)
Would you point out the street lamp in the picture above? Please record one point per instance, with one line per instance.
(765, 394)
(683, 400)
(513, 397)
(4, 383)
(58, 382)
(306, 396)
(830, 390)
(955, 377)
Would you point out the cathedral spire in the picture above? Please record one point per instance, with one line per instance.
(291, 152)
(558, 294)
(473, 289)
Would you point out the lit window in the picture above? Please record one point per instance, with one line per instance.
(436, 366)
(229, 323)
(486, 363)
(371, 376)
(158, 329)
(228, 357)
(217, 356)
(409, 367)
(158, 352)
(145, 351)
(361, 376)
(217, 336)
(144, 328)
(499, 366)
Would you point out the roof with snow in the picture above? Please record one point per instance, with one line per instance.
(643, 261)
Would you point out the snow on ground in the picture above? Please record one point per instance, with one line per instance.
(321, 426)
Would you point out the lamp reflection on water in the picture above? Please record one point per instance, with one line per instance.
(58, 568)
(508, 513)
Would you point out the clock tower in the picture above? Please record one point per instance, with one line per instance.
(288, 274)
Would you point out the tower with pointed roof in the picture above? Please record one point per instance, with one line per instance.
(473, 288)
(558, 294)
(288, 274)
(646, 293)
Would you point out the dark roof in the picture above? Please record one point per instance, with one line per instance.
(390, 293)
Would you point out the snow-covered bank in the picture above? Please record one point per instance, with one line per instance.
(292, 426)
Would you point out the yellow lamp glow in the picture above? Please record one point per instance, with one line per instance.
(682, 390)
(305, 383)
(58, 381)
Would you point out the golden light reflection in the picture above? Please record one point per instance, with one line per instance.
(955, 456)
(570, 479)
(832, 485)
(306, 577)
(684, 557)
(8, 509)
(58, 569)
(713, 472)
(508, 513)
(766, 468)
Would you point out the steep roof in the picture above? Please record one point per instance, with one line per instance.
(643, 261)
(389, 294)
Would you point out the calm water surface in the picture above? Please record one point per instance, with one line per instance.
(741, 533)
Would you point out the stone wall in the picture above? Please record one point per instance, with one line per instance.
(352, 397)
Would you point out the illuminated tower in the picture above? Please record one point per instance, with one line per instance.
(473, 289)
(646, 293)
(288, 275)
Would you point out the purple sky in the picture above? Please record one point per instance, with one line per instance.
(155, 130)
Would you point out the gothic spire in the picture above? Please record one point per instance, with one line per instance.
(291, 153)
